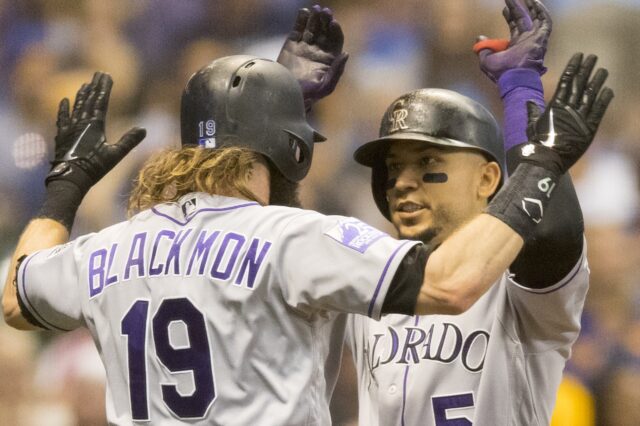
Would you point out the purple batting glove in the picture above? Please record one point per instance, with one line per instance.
(313, 53)
(530, 28)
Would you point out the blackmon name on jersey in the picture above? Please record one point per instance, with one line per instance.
(219, 263)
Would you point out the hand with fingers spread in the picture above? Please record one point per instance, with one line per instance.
(82, 155)
(561, 135)
(313, 53)
(530, 28)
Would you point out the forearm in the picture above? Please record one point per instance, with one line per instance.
(465, 266)
(82, 158)
(557, 242)
(39, 234)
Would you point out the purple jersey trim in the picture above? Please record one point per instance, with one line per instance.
(404, 381)
(382, 276)
(39, 317)
(211, 209)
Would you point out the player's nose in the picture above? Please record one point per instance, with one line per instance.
(407, 179)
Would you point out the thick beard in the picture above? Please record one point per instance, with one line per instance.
(282, 191)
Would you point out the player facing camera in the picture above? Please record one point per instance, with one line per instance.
(437, 162)
(435, 167)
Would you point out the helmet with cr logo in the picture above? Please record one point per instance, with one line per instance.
(436, 116)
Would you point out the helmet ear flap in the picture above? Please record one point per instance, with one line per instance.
(296, 150)
(379, 178)
(299, 151)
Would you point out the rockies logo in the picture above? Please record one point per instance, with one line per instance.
(397, 120)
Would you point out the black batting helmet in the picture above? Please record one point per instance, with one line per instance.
(249, 102)
(436, 116)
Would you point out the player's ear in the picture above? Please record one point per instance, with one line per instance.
(490, 174)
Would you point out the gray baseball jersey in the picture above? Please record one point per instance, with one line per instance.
(215, 310)
(499, 363)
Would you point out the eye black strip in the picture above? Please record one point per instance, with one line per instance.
(435, 177)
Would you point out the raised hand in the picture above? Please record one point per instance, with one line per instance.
(562, 134)
(530, 28)
(313, 53)
(82, 154)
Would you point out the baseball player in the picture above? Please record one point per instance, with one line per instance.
(500, 362)
(213, 306)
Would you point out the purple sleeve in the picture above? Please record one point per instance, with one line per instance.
(517, 86)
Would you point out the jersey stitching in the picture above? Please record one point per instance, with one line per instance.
(404, 381)
(314, 388)
(404, 393)
(208, 209)
(531, 400)
(517, 338)
(29, 304)
(299, 312)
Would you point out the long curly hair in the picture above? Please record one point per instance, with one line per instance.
(172, 173)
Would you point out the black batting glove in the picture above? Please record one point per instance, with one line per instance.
(557, 139)
(561, 135)
(82, 154)
(313, 53)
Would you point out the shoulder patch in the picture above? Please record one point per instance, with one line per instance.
(355, 234)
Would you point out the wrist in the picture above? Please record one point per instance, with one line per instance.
(61, 202)
(517, 87)
(541, 156)
(515, 78)
(73, 174)
(522, 202)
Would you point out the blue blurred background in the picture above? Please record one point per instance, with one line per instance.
(48, 48)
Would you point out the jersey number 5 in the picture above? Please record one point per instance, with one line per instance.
(441, 404)
(194, 357)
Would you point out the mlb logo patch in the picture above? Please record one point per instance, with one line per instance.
(355, 234)
(189, 207)
(207, 142)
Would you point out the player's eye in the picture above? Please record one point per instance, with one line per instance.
(427, 161)
(393, 167)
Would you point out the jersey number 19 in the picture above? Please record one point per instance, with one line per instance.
(194, 357)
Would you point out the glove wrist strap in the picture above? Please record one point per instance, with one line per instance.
(542, 156)
(61, 202)
(72, 173)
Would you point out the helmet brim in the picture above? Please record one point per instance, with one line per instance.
(317, 137)
(369, 153)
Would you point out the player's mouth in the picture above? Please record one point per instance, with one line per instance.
(409, 209)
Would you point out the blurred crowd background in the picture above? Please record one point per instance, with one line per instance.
(48, 48)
